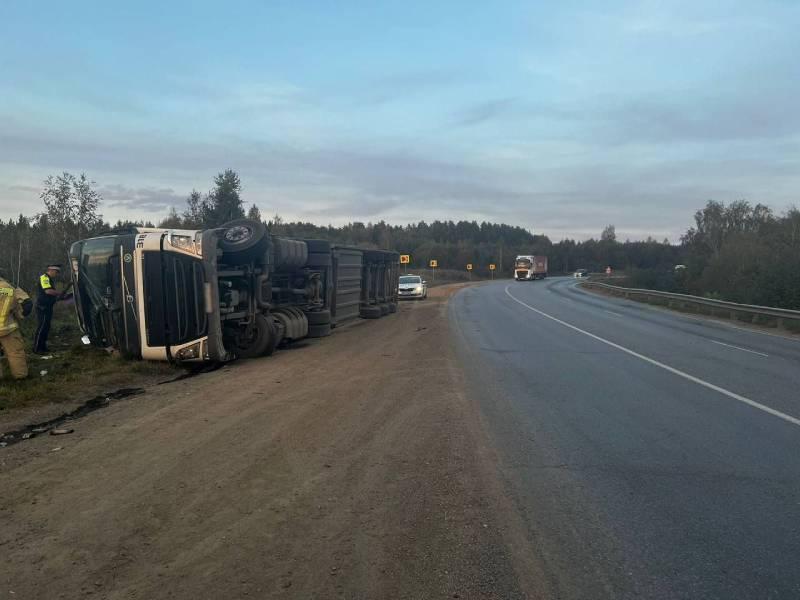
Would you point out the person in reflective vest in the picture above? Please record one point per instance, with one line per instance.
(46, 298)
(14, 305)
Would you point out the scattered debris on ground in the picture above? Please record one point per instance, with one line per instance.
(54, 425)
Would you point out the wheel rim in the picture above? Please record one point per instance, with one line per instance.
(238, 234)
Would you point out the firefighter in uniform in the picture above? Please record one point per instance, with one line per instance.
(14, 305)
(46, 298)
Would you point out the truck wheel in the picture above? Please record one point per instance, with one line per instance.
(318, 317)
(392, 307)
(384, 309)
(243, 237)
(370, 312)
(293, 321)
(273, 338)
(316, 331)
(252, 341)
(318, 259)
(289, 253)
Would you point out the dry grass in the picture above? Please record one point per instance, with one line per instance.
(75, 372)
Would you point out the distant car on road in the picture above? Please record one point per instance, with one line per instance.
(581, 273)
(412, 286)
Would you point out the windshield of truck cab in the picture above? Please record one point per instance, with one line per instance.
(410, 279)
(523, 263)
(94, 270)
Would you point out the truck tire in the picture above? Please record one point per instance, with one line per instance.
(293, 321)
(370, 312)
(384, 309)
(392, 307)
(319, 259)
(253, 341)
(289, 253)
(301, 321)
(317, 331)
(318, 317)
(273, 337)
(243, 238)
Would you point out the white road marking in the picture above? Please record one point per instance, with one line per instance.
(732, 326)
(611, 312)
(738, 348)
(673, 370)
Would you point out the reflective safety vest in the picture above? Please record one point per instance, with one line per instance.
(11, 300)
(43, 299)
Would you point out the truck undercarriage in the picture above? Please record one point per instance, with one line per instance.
(218, 294)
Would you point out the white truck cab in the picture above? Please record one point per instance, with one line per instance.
(528, 267)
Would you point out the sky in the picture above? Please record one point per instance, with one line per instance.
(561, 117)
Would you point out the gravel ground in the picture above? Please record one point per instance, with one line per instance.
(353, 467)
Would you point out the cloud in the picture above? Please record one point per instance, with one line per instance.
(644, 163)
(679, 19)
(367, 181)
(766, 115)
(140, 200)
(404, 84)
(24, 188)
(486, 111)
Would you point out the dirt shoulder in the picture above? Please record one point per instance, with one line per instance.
(353, 467)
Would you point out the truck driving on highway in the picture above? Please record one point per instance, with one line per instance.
(213, 295)
(529, 267)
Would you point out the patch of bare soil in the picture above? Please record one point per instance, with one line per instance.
(353, 467)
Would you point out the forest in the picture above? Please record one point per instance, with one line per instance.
(736, 251)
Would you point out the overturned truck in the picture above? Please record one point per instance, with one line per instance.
(214, 295)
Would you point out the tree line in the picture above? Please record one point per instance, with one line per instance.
(739, 252)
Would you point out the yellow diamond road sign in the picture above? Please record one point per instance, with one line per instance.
(491, 267)
(434, 264)
(405, 259)
(469, 266)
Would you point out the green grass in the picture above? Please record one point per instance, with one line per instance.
(75, 372)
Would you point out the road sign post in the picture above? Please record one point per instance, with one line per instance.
(491, 270)
(469, 270)
(404, 260)
(433, 264)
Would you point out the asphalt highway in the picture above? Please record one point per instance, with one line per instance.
(648, 454)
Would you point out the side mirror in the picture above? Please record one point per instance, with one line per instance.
(424, 282)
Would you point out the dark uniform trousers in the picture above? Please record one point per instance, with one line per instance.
(44, 315)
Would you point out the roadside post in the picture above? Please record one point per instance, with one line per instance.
(608, 271)
(491, 270)
(404, 260)
(433, 264)
(469, 270)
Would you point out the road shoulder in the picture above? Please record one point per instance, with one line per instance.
(351, 467)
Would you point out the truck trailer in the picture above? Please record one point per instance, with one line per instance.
(190, 296)
(529, 267)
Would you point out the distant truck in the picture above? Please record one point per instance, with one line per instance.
(190, 296)
(530, 267)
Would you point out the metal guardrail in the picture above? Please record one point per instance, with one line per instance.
(781, 315)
